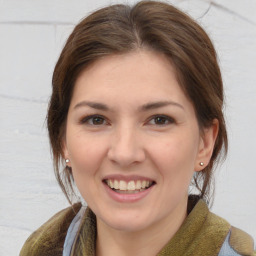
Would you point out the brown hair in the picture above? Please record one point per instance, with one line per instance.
(119, 29)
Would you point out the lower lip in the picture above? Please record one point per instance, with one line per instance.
(127, 198)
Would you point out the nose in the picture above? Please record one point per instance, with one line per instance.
(126, 147)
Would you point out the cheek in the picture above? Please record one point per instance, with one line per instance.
(174, 161)
(85, 154)
(175, 158)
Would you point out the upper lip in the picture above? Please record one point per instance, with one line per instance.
(126, 178)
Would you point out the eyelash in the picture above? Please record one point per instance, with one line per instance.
(90, 117)
(87, 119)
(169, 119)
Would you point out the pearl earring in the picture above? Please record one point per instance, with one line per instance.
(201, 164)
(67, 160)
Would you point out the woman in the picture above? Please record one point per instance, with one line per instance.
(136, 115)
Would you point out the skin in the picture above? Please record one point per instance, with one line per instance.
(127, 139)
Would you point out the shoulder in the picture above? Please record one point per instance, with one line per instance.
(241, 242)
(237, 243)
(223, 238)
(49, 238)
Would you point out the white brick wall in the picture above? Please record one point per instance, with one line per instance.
(32, 34)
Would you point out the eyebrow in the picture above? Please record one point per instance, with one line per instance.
(91, 104)
(159, 104)
(143, 108)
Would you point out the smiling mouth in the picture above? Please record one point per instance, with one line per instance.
(130, 187)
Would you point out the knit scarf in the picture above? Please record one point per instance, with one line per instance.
(202, 233)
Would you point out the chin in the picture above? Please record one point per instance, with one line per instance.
(128, 226)
(127, 222)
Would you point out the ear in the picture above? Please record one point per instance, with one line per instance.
(206, 145)
(65, 153)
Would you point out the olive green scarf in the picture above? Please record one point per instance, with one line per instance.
(202, 233)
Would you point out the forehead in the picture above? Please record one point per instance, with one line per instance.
(138, 76)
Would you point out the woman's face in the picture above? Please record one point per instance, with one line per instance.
(133, 141)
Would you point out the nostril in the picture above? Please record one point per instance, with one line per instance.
(125, 156)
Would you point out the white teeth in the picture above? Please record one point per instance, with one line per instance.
(122, 185)
(138, 184)
(116, 184)
(111, 184)
(131, 186)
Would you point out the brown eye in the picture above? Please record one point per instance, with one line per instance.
(161, 120)
(94, 120)
(97, 120)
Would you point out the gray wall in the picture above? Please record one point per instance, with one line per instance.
(32, 34)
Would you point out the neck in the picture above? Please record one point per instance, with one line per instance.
(148, 241)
